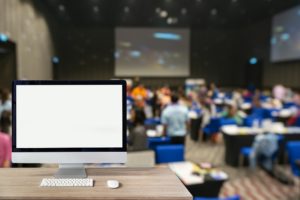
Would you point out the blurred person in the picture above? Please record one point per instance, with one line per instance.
(231, 112)
(279, 92)
(296, 98)
(213, 90)
(140, 92)
(237, 97)
(256, 102)
(137, 139)
(5, 150)
(208, 110)
(175, 120)
(6, 104)
(263, 149)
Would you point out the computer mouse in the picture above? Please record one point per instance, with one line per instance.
(113, 184)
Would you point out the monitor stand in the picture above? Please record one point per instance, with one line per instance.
(71, 171)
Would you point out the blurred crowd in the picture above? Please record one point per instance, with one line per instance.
(175, 108)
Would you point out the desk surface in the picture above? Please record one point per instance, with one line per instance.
(136, 183)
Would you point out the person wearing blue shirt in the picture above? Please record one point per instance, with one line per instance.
(175, 121)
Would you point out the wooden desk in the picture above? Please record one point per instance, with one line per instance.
(136, 183)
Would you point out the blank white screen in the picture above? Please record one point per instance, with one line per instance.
(69, 116)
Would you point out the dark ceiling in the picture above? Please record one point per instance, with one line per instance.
(194, 13)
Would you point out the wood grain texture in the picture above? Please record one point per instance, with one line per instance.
(136, 183)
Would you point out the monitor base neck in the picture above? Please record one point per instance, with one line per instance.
(71, 171)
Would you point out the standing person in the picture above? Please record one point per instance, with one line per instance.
(137, 139)
(140, 92)
(175, 121)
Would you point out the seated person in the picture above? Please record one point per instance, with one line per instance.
(137, 139)
(175, 120)
(232, 113)
(264, 148)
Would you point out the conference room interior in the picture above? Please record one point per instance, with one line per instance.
(213, 87)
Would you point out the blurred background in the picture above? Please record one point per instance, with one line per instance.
(232, 65)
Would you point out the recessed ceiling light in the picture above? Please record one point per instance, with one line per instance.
(172, 20)
(96, 9)
(126, 9)
(61, 7)
(214, 11)
(183, 11)
(234, 1)
(163, 14)
(169, 20)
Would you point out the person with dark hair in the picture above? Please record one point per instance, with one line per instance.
(175, 120)
(137, 139)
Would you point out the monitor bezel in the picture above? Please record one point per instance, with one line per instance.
(69, 82)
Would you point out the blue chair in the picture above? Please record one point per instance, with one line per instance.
(212, 127)
(293, 149)
(235, 197)
(152, 121)
(169, 153)
(248, 121)
(297, 122)
(153, 142)
(227, 121)
(247, 99)
(288, 104)
(244, 153)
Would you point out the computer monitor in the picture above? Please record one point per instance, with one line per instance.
(70, 123)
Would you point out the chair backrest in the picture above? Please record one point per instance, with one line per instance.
(169, 153)
(227, 121)
(293, 149)
(153, 142)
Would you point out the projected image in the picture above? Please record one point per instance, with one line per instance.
(152, 52)
(285, 40)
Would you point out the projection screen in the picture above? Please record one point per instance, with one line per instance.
(285, 40)
(152, 52)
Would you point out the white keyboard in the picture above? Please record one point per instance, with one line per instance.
(67, 182)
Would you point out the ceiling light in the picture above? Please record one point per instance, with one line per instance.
(126, 9)
(163, 14)
(61, 7)
(214, 11)
(96, 9)
(183, 11)
(169, 20)
(172, 20)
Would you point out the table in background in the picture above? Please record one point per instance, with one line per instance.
(204, 185)
(244, 137)
(136, 183)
